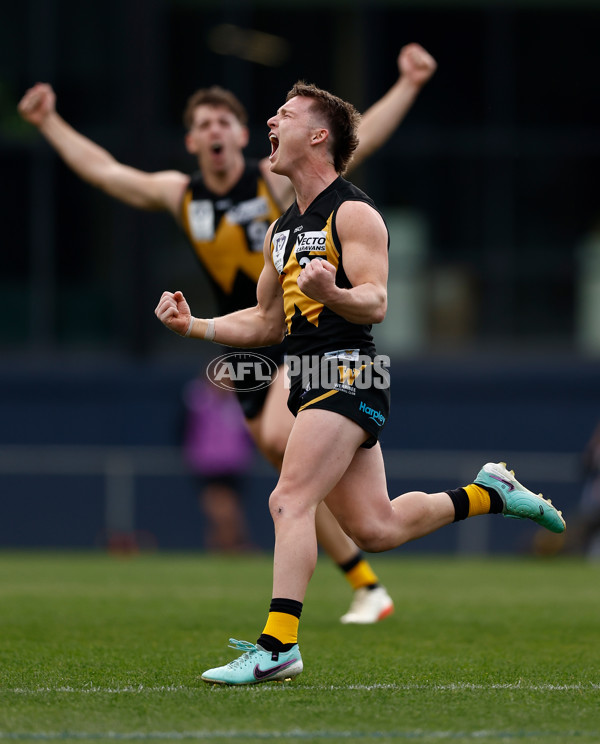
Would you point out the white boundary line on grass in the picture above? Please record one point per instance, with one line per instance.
(298, 734)
(138, 689)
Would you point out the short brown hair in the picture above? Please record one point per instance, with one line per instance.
(213, 96)
(343, 120)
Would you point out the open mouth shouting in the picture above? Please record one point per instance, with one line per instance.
(274, 144)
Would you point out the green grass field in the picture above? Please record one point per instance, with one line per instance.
(97, 648)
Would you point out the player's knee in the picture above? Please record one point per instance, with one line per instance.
(283, 505)
(277, 504)
(370, 538)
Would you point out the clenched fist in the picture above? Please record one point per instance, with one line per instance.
(174, 312)
(416, 64)
(317, 280)
(37, 104)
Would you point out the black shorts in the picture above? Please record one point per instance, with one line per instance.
(368, 406)
(251, 400)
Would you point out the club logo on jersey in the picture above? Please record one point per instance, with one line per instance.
(279, 243)
(201, 215)
(314, 241)
(243, 371)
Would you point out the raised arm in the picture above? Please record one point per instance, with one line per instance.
(92, 163)
(380, 121)
(261, 325)
(364, 240)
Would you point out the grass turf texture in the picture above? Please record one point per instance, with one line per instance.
(98, 648)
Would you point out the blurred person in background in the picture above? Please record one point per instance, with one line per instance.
(217, 449)
(583, 537)
(225, 209)
(587, 520)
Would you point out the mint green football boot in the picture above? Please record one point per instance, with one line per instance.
(519, 502)
(256, 665)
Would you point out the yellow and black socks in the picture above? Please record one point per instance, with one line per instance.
(473, 500)
(359, 573)
(281, 630)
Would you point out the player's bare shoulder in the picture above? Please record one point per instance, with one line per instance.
(360, 220)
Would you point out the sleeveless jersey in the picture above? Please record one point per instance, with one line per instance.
(227, 234)
(298, 239)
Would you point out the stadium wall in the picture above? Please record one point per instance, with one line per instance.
(90, 454)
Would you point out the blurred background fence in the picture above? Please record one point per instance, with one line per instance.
(90, 457)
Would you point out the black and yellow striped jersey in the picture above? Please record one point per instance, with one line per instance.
(227, 234)
(298, 239)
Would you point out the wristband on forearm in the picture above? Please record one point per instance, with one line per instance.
(209, 334)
